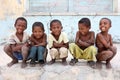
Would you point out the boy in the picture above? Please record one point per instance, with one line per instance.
(57, 42)
(84, 44)
(106, 51)
(18, 42)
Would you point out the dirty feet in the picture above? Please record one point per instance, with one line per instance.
(64, 62)
(99, 65)
(41, 63)
(32, 63)
(73, 62)
(108, 65)
(52, 61)
(24, 64)
(12, 63)
(92, 64)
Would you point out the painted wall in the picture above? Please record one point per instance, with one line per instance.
(11, 9)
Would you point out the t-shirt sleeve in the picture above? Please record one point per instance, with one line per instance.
(65, 38)
(11, 40)
(50, 41)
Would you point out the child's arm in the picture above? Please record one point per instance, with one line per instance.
(91, 39)
(62, 44)
(85, 43)
(103, 41)
(33, 40)
(16, 47)
(44, 42)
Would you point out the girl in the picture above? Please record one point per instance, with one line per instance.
(38, 43)
(18, 42)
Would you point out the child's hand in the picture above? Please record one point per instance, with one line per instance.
(54, 44)
(62, 43)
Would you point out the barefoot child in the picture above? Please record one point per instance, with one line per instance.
(83, 48)
(18, 42)
(38, 44)
(106, 51)
(57, 42)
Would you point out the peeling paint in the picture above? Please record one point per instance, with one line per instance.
(11, 8)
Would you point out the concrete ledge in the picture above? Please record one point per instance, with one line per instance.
(68, 14)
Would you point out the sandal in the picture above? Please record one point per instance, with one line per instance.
(73, 61)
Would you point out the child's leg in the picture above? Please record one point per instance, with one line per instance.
(25, 51)
(41, 51)
(33, 52)
(32, 55)
(63, 54)
(104, 56)
(114, 50)
(76, 52)
(54, 54)
(9, 52)
(89, 54)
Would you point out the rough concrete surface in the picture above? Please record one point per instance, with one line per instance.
(57, 71)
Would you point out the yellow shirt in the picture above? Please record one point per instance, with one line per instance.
(62, 37)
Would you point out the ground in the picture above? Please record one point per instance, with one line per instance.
(57, 71)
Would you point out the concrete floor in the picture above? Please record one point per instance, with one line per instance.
(57, 71)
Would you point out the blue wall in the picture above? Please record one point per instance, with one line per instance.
(70, 25)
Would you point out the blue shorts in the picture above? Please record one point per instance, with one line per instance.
(18, 55)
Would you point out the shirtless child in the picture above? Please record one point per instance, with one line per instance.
(104, 43)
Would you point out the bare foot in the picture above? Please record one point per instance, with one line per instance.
(64, 63)
(73, 62)
(12, 63)
(99, 65)
(23, 65)
(108, 65)
(51, 62)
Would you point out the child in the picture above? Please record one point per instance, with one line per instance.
(18, 42)
(38, 43)
(58, 42)
(106, 51)
(84, 44)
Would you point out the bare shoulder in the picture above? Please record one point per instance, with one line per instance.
(99, 34)
(92, 32)
(77, 32)
(45, 34)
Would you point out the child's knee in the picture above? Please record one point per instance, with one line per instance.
(7, 48)
(63, 52)
(53, 51)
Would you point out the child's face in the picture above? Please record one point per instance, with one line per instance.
(83, 29)
(56, 28)
(20, 26)
(37, 32)
(104, 25)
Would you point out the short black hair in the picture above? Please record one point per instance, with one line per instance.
(21, 18)
(40, 24)
(55, 20)
(108, 20)
(85, 21)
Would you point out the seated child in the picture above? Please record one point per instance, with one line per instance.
(18, 42)
(57, 42)
(38, 41)
(83, 48)
(106, 51)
